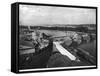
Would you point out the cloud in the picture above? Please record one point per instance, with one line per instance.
(38, 15)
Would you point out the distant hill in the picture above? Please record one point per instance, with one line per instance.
(63, 27)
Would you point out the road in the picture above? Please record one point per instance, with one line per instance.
(63, 51)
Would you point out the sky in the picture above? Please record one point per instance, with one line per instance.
(40, 15)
